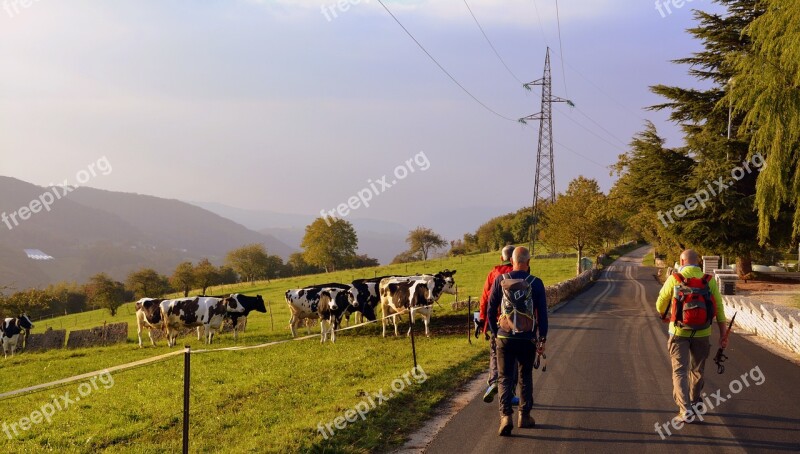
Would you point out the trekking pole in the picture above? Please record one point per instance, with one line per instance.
(720, 357)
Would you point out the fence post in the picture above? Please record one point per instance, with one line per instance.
(413, 346)
(271, 321)
(469, 322)
(186, 371)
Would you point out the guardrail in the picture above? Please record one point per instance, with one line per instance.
(778, 324)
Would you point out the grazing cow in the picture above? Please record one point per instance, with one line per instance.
(203, 312)
(239, 307)
(148, 315)
(435, 284)
(332, 304)
(304, 303)
(364, 297)
(11, 329)
(399, 294)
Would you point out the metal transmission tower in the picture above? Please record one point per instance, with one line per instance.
(545, 183)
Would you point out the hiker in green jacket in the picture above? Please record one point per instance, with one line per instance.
(690, 301)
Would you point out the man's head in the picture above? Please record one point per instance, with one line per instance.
(521, 258)
(505, 253)
(689, 257)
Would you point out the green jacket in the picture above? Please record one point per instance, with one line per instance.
(665, 297)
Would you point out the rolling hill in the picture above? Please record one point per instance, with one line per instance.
(91, 230)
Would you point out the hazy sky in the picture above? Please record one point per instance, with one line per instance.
(270, 105)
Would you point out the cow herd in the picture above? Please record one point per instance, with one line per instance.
(329, 303)
(332, 302)
(206, 313)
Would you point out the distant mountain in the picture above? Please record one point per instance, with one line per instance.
(90, 230)
(382, 240)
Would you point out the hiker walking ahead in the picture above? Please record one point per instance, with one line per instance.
(520, 298)
(690, 301)
(497, 271)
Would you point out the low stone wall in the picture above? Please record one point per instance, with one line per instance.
(776, 323)
(566, 289)
(48, 340)
(114, 333)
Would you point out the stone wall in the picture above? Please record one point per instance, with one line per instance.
(49, 340)
(108, 334)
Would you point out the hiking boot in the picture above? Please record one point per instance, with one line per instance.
(525, 420)
(514, 401)
(506, 424)
(488, 396)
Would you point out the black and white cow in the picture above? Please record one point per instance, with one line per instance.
(239, 307)
(203, 312)
(333, 303)
(148, 315)
(304, 303)
(400, 294)
(435, 284)
(364, 297)
(11, 329)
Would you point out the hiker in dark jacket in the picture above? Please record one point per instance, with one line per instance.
(517, 347)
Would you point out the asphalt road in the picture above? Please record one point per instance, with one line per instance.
(608, 383)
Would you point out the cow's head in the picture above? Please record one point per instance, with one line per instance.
(258, 304)
(449, 282)
(328, 297)
(25, 322)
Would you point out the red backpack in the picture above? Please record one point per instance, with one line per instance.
(692, 306)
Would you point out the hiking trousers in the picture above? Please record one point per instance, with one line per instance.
(493, 369)
(515, 354)
(688, 356)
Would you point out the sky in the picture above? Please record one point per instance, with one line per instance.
(298, 106)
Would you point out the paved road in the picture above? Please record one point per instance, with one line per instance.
(608, 383)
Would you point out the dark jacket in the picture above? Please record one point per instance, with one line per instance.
(539, 301)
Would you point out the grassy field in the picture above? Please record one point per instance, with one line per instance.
(471, 273)
(259, 400)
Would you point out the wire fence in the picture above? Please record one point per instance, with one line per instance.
(187, 352)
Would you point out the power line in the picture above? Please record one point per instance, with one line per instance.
(490, 43)
(561, 51)
(622, 142)
(442, 67)
(580, 154)
(590, 131)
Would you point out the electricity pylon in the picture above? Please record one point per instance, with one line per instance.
(545, 183)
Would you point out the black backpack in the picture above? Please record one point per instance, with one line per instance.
(517, 311)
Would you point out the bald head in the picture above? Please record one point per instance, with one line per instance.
(521, 258)
(689, 257)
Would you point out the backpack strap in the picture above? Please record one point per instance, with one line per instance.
(681, 280)
(530, 279)
(679, 277)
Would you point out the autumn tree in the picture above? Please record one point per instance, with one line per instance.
(575, 220)
(423, 240)
(205, 275)
(329, 244)
(251, 261)
(182, 278)
(147, 283)
(105, 292)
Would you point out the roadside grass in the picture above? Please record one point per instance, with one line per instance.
(261, 400)
(649, 259)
